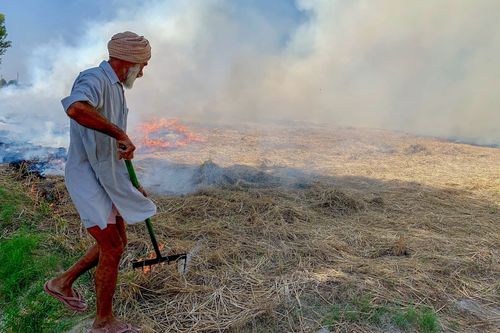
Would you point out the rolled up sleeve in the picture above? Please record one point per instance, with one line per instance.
(87, 88)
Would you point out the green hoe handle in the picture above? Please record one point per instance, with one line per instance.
(132, 174)
(135, 182)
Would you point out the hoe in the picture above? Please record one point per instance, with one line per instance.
(179, 258)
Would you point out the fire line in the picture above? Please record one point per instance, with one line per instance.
(162, 134)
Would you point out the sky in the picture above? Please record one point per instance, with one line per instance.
(59, 20)
(425, 67)
(31, 24)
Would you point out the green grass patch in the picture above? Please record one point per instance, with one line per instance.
(405, 318)
(27, 260)
(25, 267)
(19, 266)
(17, 209)
(363, 310)
(10, 205)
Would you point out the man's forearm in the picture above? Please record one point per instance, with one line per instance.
(87, 116)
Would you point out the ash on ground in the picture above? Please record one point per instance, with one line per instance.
(32, 159)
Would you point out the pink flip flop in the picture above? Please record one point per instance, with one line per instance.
(74, 303)
(126, 329)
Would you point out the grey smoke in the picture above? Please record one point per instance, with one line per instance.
(427, 67)
(165, 177)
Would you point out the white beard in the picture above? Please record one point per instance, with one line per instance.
(131, 76)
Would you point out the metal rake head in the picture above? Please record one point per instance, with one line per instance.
(179, 258)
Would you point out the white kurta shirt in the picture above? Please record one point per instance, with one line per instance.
(94, 176)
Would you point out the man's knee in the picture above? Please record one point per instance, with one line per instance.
(109, 240)
(114, 249)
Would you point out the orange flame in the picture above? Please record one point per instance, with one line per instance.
(166, 133)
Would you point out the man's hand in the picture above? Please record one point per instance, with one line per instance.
(125, 148)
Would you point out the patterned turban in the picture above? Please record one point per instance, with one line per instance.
(130, 47)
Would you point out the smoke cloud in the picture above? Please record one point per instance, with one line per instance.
(426, 67)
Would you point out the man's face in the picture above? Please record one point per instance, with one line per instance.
(133, 73)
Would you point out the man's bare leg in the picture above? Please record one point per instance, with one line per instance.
(110, 250)
(64, 282)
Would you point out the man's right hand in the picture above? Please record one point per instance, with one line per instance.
(125, 148)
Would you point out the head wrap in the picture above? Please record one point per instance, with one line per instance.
(130, 47)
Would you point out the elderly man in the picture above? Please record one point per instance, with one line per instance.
(96, 176)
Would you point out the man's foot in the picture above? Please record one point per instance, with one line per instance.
(68, 296)
(113, 326)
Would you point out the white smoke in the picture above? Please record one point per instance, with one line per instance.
(425, 67)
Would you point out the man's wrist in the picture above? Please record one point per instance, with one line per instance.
(121, 135)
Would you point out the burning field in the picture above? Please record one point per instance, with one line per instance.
(305, 229)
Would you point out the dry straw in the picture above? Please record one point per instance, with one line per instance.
(277, 260)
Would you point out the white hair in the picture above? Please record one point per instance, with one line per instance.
(131, 76)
